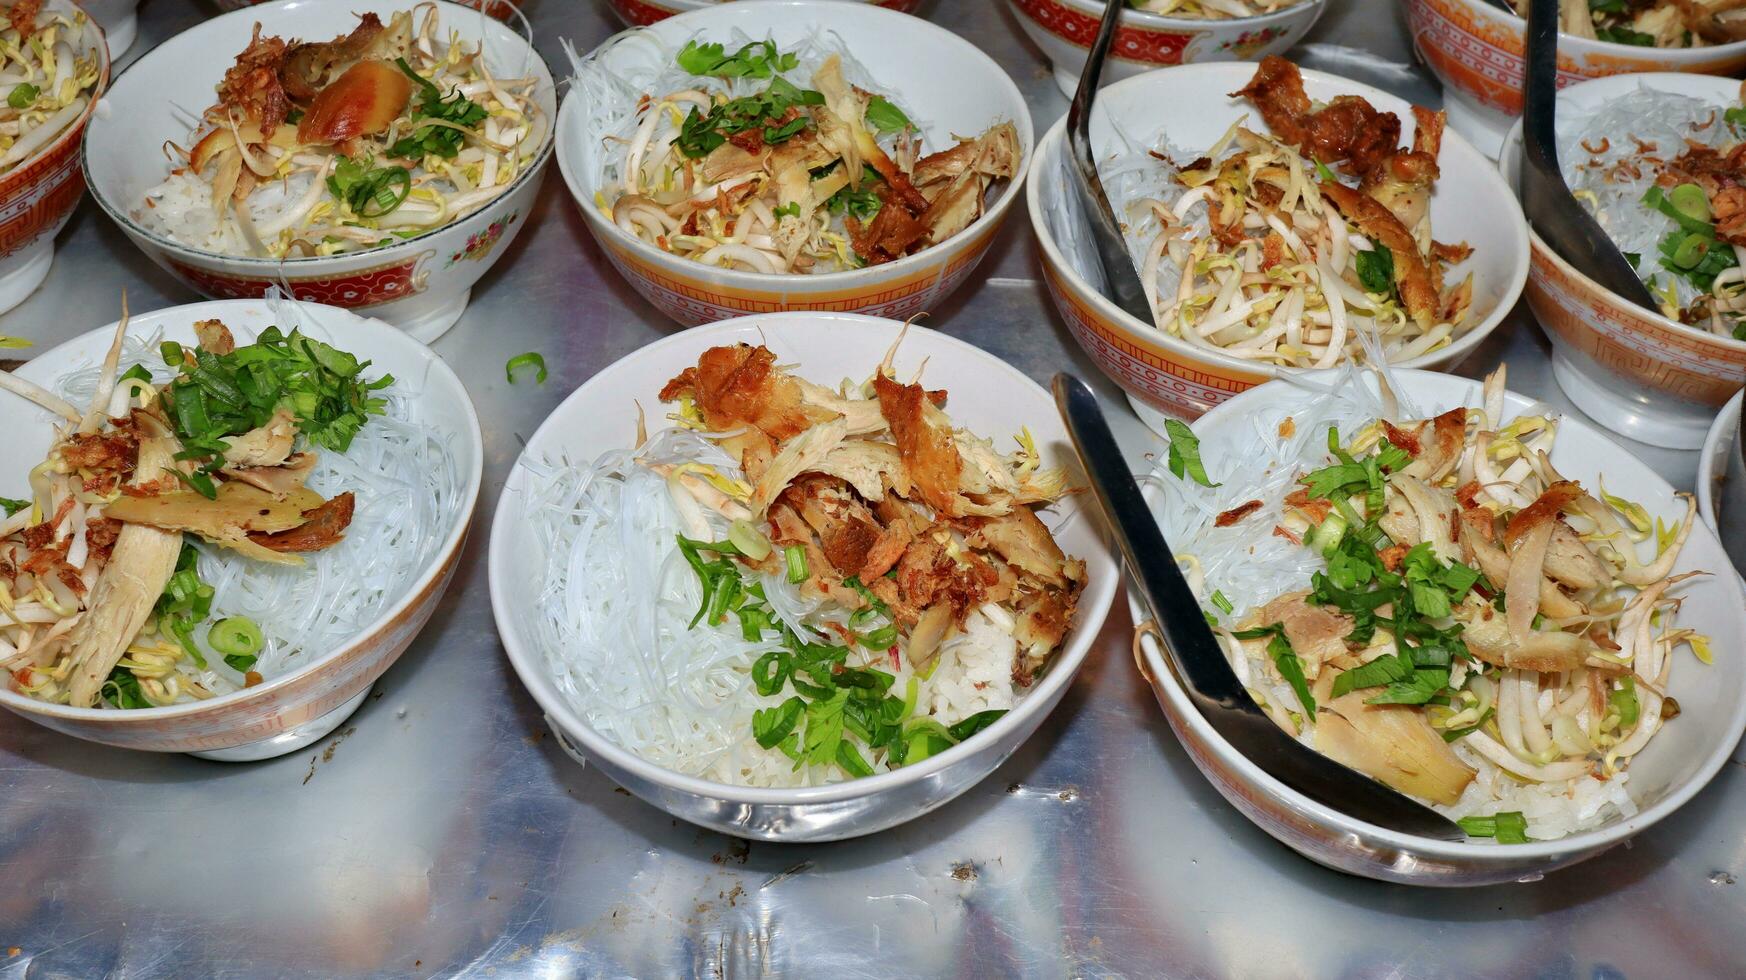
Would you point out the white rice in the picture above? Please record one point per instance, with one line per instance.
(616, 600)
(1662, 120)
(1251, 565)
(180, 208)
(408, 495)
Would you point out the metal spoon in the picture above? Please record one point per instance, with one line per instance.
(1211, 683)
(1106, 231)
(1564, 224)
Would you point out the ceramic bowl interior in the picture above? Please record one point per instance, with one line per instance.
(942, 82)
(444, 405)
(1678, 761)
(602, 415)
(1190, 108)
(158, 97)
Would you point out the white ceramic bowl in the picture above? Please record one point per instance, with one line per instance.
(1163, 374)
(120, 21)
(602, 414)
(1634, 371)
(1721, 483)
(1475, 48)
(420, 285)
(298, 707)
(642, 13)
(1678, 762)
(1064, 30)
(38, 196)
(945, 84)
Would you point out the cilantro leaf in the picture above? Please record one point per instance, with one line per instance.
(759, 59)
(1184, 457)
(443, 141)
(885, 117)
(1375, 270)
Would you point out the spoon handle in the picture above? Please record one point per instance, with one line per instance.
(1106, 232)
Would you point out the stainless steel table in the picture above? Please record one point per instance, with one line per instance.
(442, 831)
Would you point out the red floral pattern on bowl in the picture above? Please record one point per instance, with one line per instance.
(479, 244)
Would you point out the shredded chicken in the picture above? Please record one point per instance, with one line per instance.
(933, 524)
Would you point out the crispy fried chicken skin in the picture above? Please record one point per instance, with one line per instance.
(1391, 205)
(251, 88)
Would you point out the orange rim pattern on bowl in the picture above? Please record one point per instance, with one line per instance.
(1156, 375)
(40, 194)
(695, 301)
(366, 287)
(1133, 43)
(245, 718)
(1481, 54)
(1640, 349)
(642, 13)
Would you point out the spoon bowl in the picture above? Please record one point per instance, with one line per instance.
(1554, 213)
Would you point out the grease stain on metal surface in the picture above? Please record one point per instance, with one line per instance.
(326, 755)
(739, 851)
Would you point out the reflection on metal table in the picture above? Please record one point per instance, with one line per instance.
(441, 831)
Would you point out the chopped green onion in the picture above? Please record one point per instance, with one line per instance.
(238, 637)
(751, 541)
(975, 723)
(795, 556)
(771, 725)
(530, 359)
(1624, 701)
(1691, 201)
(883, 638)
(1508, 827)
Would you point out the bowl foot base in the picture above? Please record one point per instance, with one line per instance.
(1067, 82)
(1150, 417)
(421, 321)
(120, 35)
(287, 742)
(1484, 128)
(1627, 417)
(24, 270)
